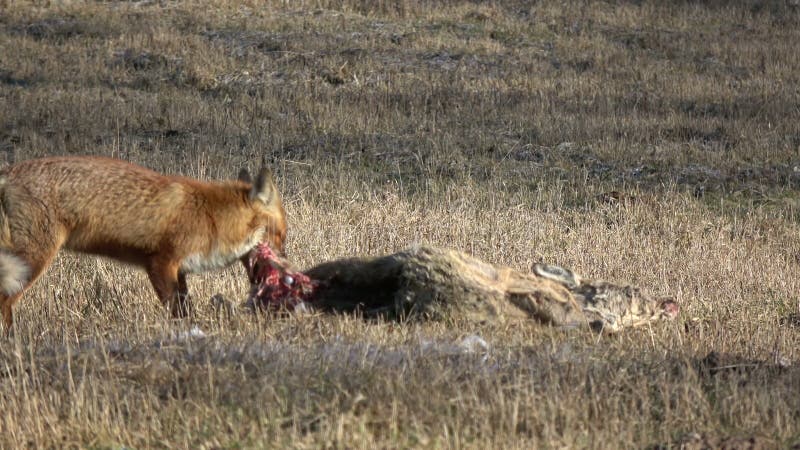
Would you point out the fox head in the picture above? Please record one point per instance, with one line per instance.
(268, 214)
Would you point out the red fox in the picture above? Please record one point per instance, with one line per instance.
(170, 226)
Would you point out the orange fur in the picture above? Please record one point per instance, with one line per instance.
(171, 226)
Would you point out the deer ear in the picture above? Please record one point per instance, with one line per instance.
(264, 188)
(557, 274)
(244, 175)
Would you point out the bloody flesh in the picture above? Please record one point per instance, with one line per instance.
(275, 285)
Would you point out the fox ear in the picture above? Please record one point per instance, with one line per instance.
(264, 188)
(244, 175)
(557, 274)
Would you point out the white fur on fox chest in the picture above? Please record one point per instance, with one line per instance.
(218, 258)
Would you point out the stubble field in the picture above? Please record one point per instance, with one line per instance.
(655, 143)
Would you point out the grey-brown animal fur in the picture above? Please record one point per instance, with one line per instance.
(434, 283)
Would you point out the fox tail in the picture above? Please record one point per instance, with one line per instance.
(14, 273)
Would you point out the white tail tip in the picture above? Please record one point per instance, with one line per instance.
(14, 273)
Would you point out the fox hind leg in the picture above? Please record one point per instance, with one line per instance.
(6, 302)
(18, 273)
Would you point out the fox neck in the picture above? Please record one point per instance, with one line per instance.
(219, 256)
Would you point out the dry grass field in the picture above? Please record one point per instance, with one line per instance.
(650, 142)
